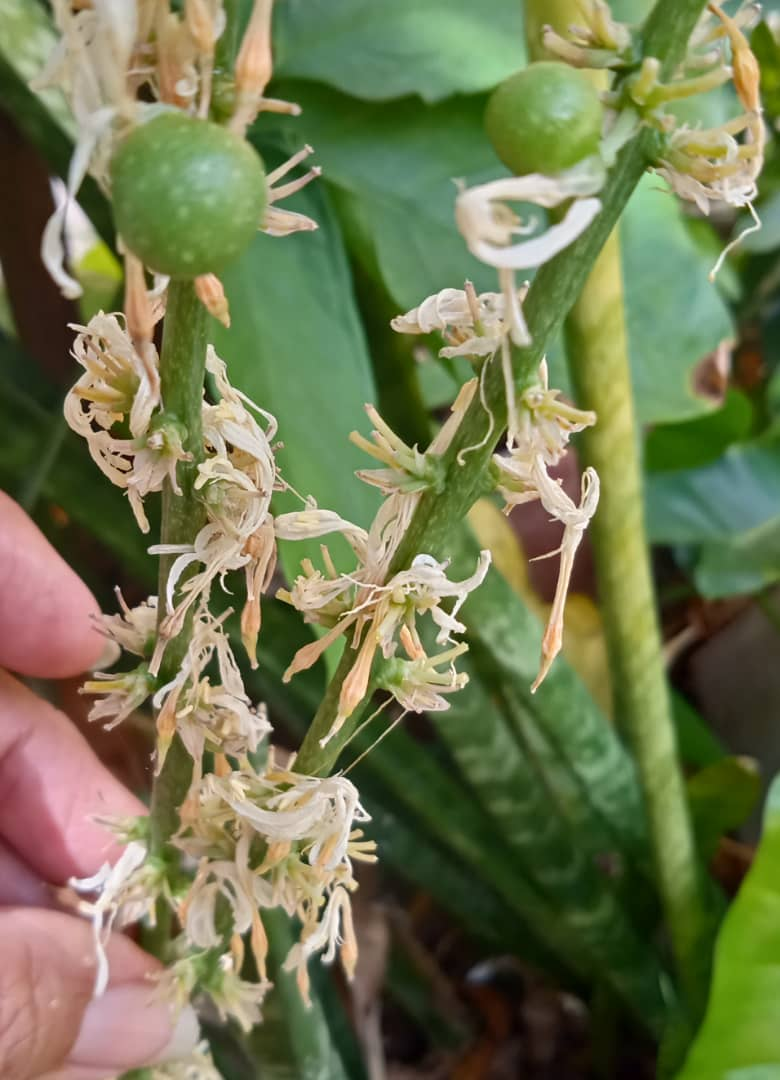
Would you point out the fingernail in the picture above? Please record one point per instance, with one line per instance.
(127, 1028)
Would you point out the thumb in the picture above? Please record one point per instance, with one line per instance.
(48, 1018)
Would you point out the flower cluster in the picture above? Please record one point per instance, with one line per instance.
(379, 617)
(540, 425)
(236, 480)
(709, 167)
(270, 837)
(276, 839)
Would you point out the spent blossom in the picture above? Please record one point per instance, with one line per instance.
(237, 480)
(379, 614)
(276, 839)
(472, 325)
(521, 481)
(545, 425)
(489, 226)
(121, 384)
(124, 893)
(217, 715)
(599, 41)
(417, 684)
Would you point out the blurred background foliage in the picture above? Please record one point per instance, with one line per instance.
(512, 926)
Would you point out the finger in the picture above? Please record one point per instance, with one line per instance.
(48, 1019)
(51, 785)
(47, 614)
(19, 886)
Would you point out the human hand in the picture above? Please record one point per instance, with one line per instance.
(51, 784)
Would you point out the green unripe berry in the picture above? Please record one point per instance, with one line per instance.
(188, 195)
(544, 118)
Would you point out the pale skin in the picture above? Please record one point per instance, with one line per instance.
(51, 783)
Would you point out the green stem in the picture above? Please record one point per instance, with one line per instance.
(182, 368)
(549, 301)
(597, 347)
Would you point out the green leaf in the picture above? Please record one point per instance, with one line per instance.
(767, 52)
(698, 745)
(379, 51)
(399, 162)
(562, 790)
(730, 509)
(528, 790)
(296, 347)
(670, 328)
(28, 40)
(722, 797)
(509, 636)
(701, 441)
(740, 1036)
(293, 1041)
(406, 847)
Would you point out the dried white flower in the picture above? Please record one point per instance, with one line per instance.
(713, 165)
(473, 325)
(279, 222)
(489, 226)
(218, 716)
(300, 831)
(126, 892)
(378, 615)
(334, 932)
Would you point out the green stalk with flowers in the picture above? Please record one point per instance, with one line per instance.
(235, 831)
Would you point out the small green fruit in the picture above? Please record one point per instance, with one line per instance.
(188, 195)
(544, 118)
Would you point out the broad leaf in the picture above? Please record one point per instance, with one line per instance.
(670, 328)
(400, 162)
(379, 51)
(740, 1036)
(584, 742)
(293, 1040)
(528, 790)
(561, 788)
(730, 510)
(688, 445)
(296, 347)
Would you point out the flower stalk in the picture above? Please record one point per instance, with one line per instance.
(182, 369)
(467, 459)
(597, 348)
